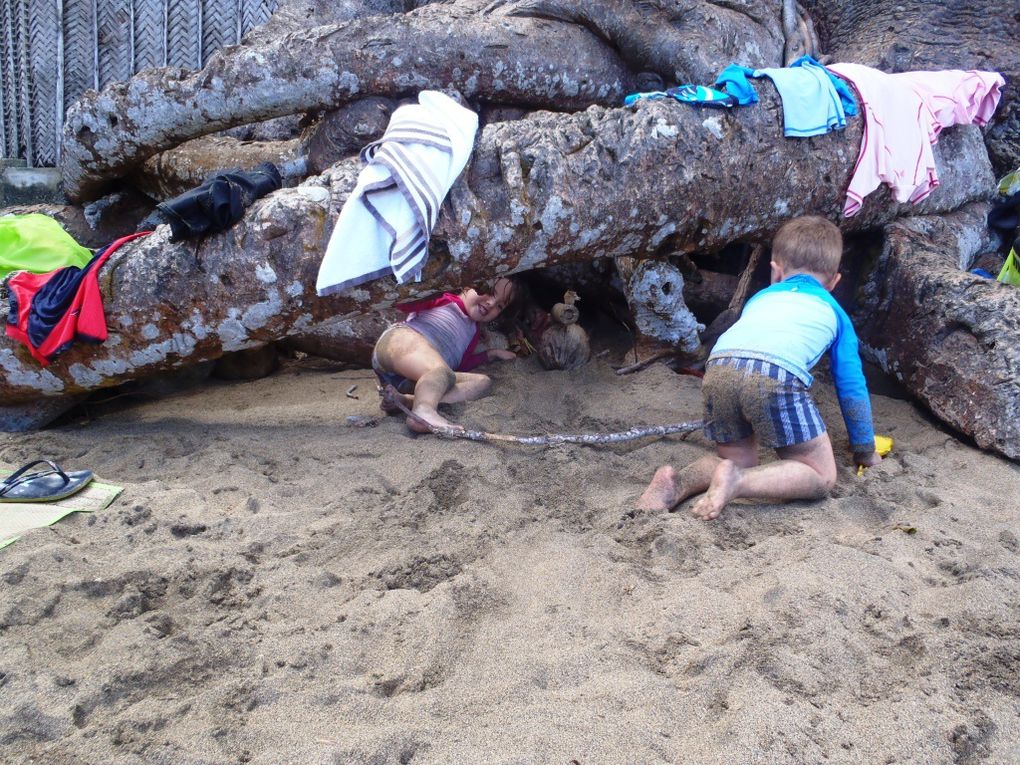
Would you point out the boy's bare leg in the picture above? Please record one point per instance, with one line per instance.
(669, 488)
(804, 471)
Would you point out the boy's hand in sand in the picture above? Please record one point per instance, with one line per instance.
(501, 354)
(867, 459)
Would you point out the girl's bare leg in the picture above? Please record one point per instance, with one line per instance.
(428, 392)
(404, 351)
(406, 399)
(469, 386)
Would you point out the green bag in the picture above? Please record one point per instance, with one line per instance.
(1010, 274)
(37, 243)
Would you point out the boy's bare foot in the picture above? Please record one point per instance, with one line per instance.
(661, 493)
(722, 489)
(432, 417)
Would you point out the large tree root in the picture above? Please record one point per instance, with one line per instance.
(948, 335)
(439, 46)
(548, 189)
(688, 45)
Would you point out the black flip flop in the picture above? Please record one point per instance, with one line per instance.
(42, 485)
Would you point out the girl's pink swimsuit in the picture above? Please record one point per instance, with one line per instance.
(444, 322)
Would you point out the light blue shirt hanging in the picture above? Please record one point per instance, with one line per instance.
(814, 100)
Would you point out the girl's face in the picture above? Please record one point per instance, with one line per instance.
(483, 308)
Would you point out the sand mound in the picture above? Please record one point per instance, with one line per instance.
(277, 586)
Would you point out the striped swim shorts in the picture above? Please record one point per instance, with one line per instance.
(745, 396)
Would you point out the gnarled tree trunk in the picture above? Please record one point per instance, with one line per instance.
(948, 335)
(322, 68)
(546, 189)
(542, 188)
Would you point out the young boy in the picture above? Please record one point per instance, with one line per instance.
(439, 336)
(756, 386)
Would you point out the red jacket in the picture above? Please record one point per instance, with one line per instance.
(72, 309)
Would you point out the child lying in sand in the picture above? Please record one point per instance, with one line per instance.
(418, 356)
(756, 386)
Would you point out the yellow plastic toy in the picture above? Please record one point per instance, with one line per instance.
(883, 445)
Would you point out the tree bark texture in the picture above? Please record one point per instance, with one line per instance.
(452, 45)
(655, 292)
(347, 340)
(542, 190)
(948, 335)
(506, 53)
(186, 166)
(683, 42)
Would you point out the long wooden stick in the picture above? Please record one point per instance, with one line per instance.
(548, 439)
(672, 355)
(638, 366)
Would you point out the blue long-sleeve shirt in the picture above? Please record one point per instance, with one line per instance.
(791, 324)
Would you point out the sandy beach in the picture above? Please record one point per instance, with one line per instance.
(276, 585)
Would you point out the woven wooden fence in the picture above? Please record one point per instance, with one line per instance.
(51, 51)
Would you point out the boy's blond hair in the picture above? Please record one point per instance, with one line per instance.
(809, 243)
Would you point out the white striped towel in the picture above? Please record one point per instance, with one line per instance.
(388, 218)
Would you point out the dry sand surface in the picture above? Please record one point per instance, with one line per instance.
(276, 586)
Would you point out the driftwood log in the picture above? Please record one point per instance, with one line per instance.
(948, 335)
(584, 181)
(540, 190)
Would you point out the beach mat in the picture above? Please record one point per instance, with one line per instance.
(18, 517)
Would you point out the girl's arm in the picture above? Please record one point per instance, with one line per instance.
(472, 359)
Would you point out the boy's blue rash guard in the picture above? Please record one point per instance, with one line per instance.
(791, 324)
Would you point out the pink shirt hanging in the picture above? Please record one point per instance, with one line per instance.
(903, 115)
